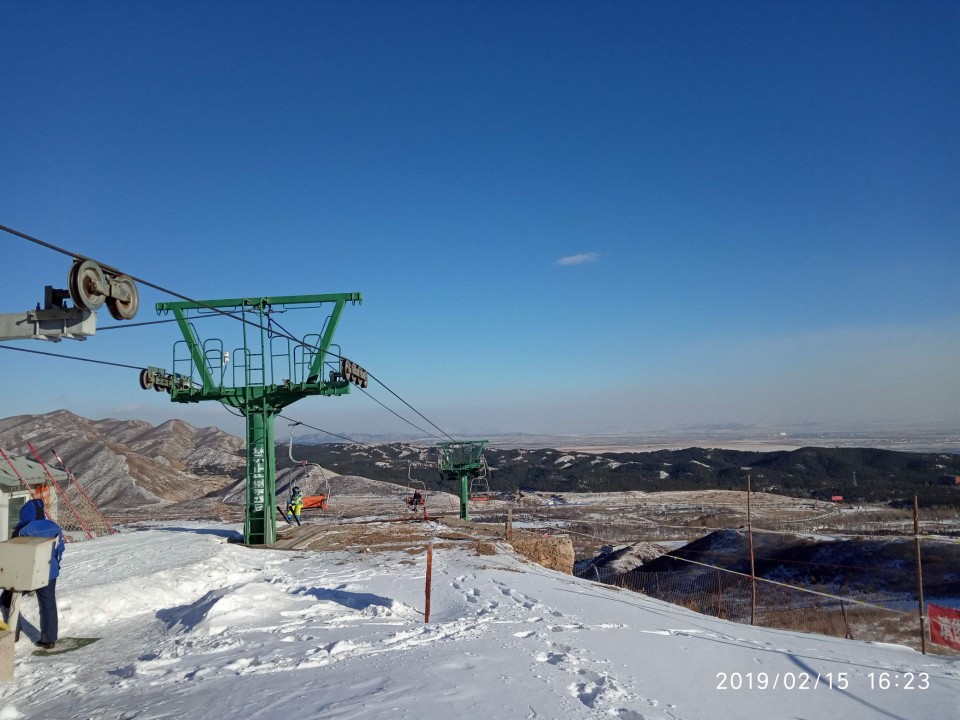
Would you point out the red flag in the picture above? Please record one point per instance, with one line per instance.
(944, 625)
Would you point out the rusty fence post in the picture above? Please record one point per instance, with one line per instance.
(916, 539)
(426, 607)
(753, 571)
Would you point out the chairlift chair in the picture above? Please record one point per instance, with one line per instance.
(415, 487)
(316, 501)
(480, 486)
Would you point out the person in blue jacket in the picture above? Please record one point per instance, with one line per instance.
(34, 524)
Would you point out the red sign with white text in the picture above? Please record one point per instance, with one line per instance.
(944, 625)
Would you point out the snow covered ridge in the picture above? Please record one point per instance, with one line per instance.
(193, 627)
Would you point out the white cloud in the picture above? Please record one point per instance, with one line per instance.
(579, 259)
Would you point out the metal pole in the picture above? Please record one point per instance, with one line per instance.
(509, 523)
(426, 606)
(753, 576)
(719, 595)
(260, 526)
(916, 538)
(464, 495)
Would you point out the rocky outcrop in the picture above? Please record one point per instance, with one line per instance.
(551, 551)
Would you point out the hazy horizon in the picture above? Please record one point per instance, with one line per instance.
(563, 218)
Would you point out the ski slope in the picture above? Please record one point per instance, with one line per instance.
(195, 627)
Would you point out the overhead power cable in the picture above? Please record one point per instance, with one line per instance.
(220, 311)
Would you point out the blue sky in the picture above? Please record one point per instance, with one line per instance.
(564, 217)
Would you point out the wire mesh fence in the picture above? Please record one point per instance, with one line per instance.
(874, 617)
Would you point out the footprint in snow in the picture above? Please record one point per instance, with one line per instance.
(552, 658)
(596, 689)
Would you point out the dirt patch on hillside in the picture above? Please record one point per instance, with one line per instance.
(554, 551)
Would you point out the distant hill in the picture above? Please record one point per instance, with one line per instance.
(857, 474)
(863, 565)
(130, 463)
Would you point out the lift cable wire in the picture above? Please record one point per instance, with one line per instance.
(120, 326)
(160, 288)
(70, 357)
(138, 368)
(391, 410)
(135, 367)
(342, 437)
(371, 375)
(139, 324)
(271, 322)
(374, 377)
(219, 311)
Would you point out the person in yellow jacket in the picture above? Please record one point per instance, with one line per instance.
(295, 505)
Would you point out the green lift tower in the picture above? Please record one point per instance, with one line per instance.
(268, 372)
(460, 461)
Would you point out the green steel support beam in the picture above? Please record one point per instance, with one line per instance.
(464, 498)
(352, 298)
(193, 342)
(260, 524)
(325, 341)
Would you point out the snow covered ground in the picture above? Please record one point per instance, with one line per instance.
(194, 627)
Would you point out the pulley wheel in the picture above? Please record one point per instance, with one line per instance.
(124, 309)
(158, 388)
(90, 286)
(72, 286)
(146, 379)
